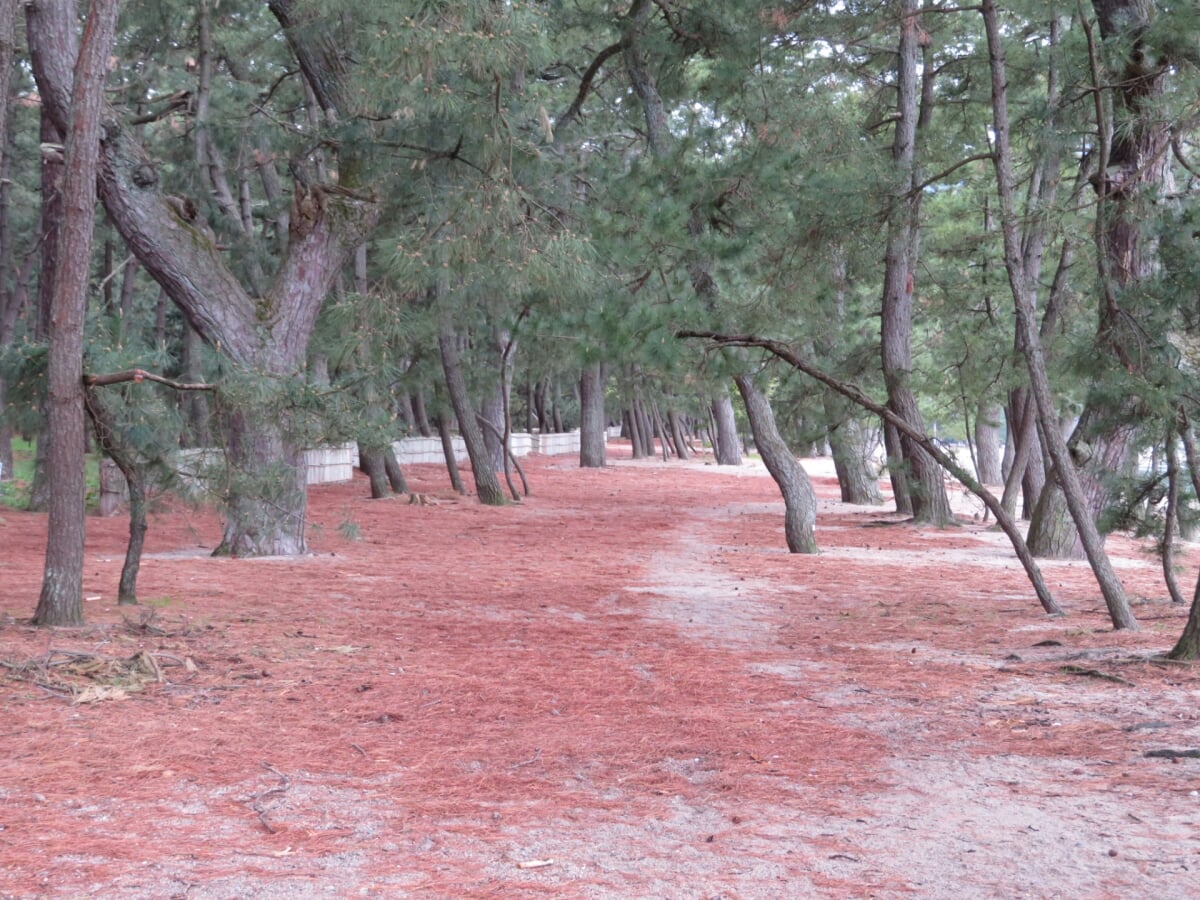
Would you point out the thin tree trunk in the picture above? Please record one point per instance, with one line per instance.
(487, 486)
(61, 599)
(104, 425)
(441, 422)
(799, 500)
(923, 482)
(1188, 645)
(51, 224)
(1110, 585)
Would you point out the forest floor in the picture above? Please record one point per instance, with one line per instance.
(623, 687)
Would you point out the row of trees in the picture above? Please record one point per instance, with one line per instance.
(421, 215)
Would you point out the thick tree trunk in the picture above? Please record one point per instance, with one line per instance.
(267, 500)
(988, 419)
(61, 599)
(196, 419)
(371, 462)
(420, 415)
(799, 500)
(728, 449)
(897, 472)
(395, 474)
(487, 485)
(852, 444)
(592, 439)
(1131, 172)
(266, 333)
(682, 449)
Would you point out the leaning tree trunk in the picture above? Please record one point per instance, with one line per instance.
(61, 599)
(799, 500)
(1132, 172)
(1030, 340)
(487, 485)
(592, 439)
(104, 424)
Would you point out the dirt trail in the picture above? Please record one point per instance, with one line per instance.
(623, 687)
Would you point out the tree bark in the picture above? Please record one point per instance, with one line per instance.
(592, 439)
(487, 486)
(851, 443)
(371, 462)
(987, 444)
(728, 449)
(441, 422)
(1030, 339)
(61, 600)
(799, 500)
(266, 334)
(924, 484)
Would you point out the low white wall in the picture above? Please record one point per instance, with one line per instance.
(557, 444)
(414, 450)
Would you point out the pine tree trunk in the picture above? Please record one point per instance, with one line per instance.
(395, 474)
(441, 422)
(61, 599)
(800, 502)
(728, 449)
(487, 485)
(1030, 341)
(851, 443)
(592, 438)
(926, 488)
(265, 332)
(987, 444)
(268, 498)
(371, 462)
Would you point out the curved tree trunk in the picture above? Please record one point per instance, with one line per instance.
(443, 428)
(487, 485)
(592, 438)
(265, 333)
(799, 500)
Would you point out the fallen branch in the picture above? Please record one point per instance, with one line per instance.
(1096, 673)
(256, 802)
(1003, 519)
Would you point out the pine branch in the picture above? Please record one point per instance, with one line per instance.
(139, 375)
